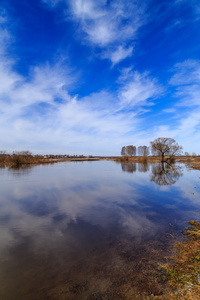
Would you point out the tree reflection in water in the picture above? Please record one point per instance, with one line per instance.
(143, 167)
(20, 171)
(128, 167)
(132, 167)
(163, 175)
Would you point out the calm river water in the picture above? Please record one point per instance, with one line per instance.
(91, 230)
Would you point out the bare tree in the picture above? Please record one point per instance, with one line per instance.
(140, 150)
(146, 151)
(165, 146)
(128, 150)
(131, 150)
(3, 155)
(25, 153)
(123, 151)
(2, 152)
(134, 151)
(143, 151)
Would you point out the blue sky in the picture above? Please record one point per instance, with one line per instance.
(90, 76)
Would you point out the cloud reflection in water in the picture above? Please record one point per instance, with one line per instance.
(60, 223)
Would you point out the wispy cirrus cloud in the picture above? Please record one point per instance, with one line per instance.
(118, 54)
(139, 89)
(39, 111)
(186, 80)
(111, 26)
(105, 24)
(42, 113)
(185, 84)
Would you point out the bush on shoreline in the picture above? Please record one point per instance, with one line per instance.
(18, 160)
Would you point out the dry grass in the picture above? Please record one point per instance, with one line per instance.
(137, 159)
(183, 273)
(18, 160)
(192, 161)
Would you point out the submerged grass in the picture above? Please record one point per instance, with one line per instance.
(183, 272)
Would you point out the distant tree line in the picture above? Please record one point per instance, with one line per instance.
(159, 147)
(190, 154)
(133, 150)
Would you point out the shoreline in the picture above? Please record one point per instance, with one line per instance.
(20, 160)
(182, 272)
(192, 161)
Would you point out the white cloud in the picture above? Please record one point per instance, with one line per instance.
(186, 81)
(185, 132)
(111, 26)
(139, 89)
(84, 203)
(186, 87)
(32, 118)
(105, 24)
(190, 123)
(119, 54)
(29, 109)
(46, 84)
(38, 112)
(182, 70)
(88, 9)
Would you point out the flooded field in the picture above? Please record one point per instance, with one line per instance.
(91, 230)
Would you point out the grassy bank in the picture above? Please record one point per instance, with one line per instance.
(17, 160)
(192, 161)
(183, 272)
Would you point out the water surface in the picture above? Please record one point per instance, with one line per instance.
(91, 230)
